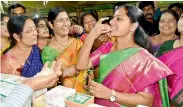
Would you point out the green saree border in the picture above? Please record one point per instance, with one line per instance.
(110, 61)
(164, 92)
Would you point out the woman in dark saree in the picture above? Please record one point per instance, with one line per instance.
(23, 58)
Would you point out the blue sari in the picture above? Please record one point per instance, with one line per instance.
(33, 64)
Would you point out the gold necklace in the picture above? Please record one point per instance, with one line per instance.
(61, 44)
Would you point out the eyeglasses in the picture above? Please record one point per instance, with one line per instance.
(62, 20)
(30, 30)
(4, 23)
(41, 26)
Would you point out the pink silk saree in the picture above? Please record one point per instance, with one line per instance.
(174, 60)
(130, 70)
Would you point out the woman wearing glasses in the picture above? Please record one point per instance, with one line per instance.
(5, 42)
(43, 32)
(64, 47)
(23, 58)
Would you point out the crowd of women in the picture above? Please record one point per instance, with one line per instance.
(112, 58)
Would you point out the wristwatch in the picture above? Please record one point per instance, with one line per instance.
(113, 96)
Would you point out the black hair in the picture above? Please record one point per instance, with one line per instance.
(74, 22)
(53, 13)
(91, 12)
(175, 5)
(16, 25)
(49, 28)
(143, 4)
(118, 4)
(175, 15)
(37, 20)
(16, 5)
(136, 15)
(3, 15)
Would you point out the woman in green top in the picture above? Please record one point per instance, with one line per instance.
(172, 44)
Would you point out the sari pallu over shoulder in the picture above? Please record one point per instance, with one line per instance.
(131, 70)
(174, 60)
(68, 58)
(33, 64)
(69, 55)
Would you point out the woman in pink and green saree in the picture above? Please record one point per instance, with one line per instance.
(128, 73)
(174, 60)
(171, 54)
